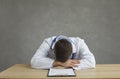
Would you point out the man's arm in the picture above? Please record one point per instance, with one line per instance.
(68, 63)
(40, 59)
(87, 59)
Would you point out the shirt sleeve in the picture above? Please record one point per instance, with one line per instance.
(87, 59)
(40, 59)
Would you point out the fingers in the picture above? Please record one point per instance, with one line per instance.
(75, 61)
(74, 65)
(71, 63)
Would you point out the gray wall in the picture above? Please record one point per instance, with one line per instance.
(25, 23)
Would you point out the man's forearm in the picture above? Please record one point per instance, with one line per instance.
(68, 63)
(57, 63)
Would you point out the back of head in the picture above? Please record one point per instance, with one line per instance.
(63, 50)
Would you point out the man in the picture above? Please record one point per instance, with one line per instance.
(63, 51)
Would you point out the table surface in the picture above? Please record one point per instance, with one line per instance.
(24, 71)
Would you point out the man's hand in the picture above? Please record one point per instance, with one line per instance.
(68, 63)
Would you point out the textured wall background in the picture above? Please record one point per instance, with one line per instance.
(25, 23)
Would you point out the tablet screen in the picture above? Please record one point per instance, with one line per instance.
(53, 72)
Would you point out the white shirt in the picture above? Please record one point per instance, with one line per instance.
(44, 56)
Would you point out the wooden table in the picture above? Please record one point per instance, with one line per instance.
(23, 71)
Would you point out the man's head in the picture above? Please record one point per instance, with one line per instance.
(63, 50)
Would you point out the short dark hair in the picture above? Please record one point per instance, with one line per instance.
(63, 50)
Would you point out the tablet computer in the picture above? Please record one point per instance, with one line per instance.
(54, 72)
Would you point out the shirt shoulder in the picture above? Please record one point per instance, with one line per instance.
(76, 39)
(49, 40)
